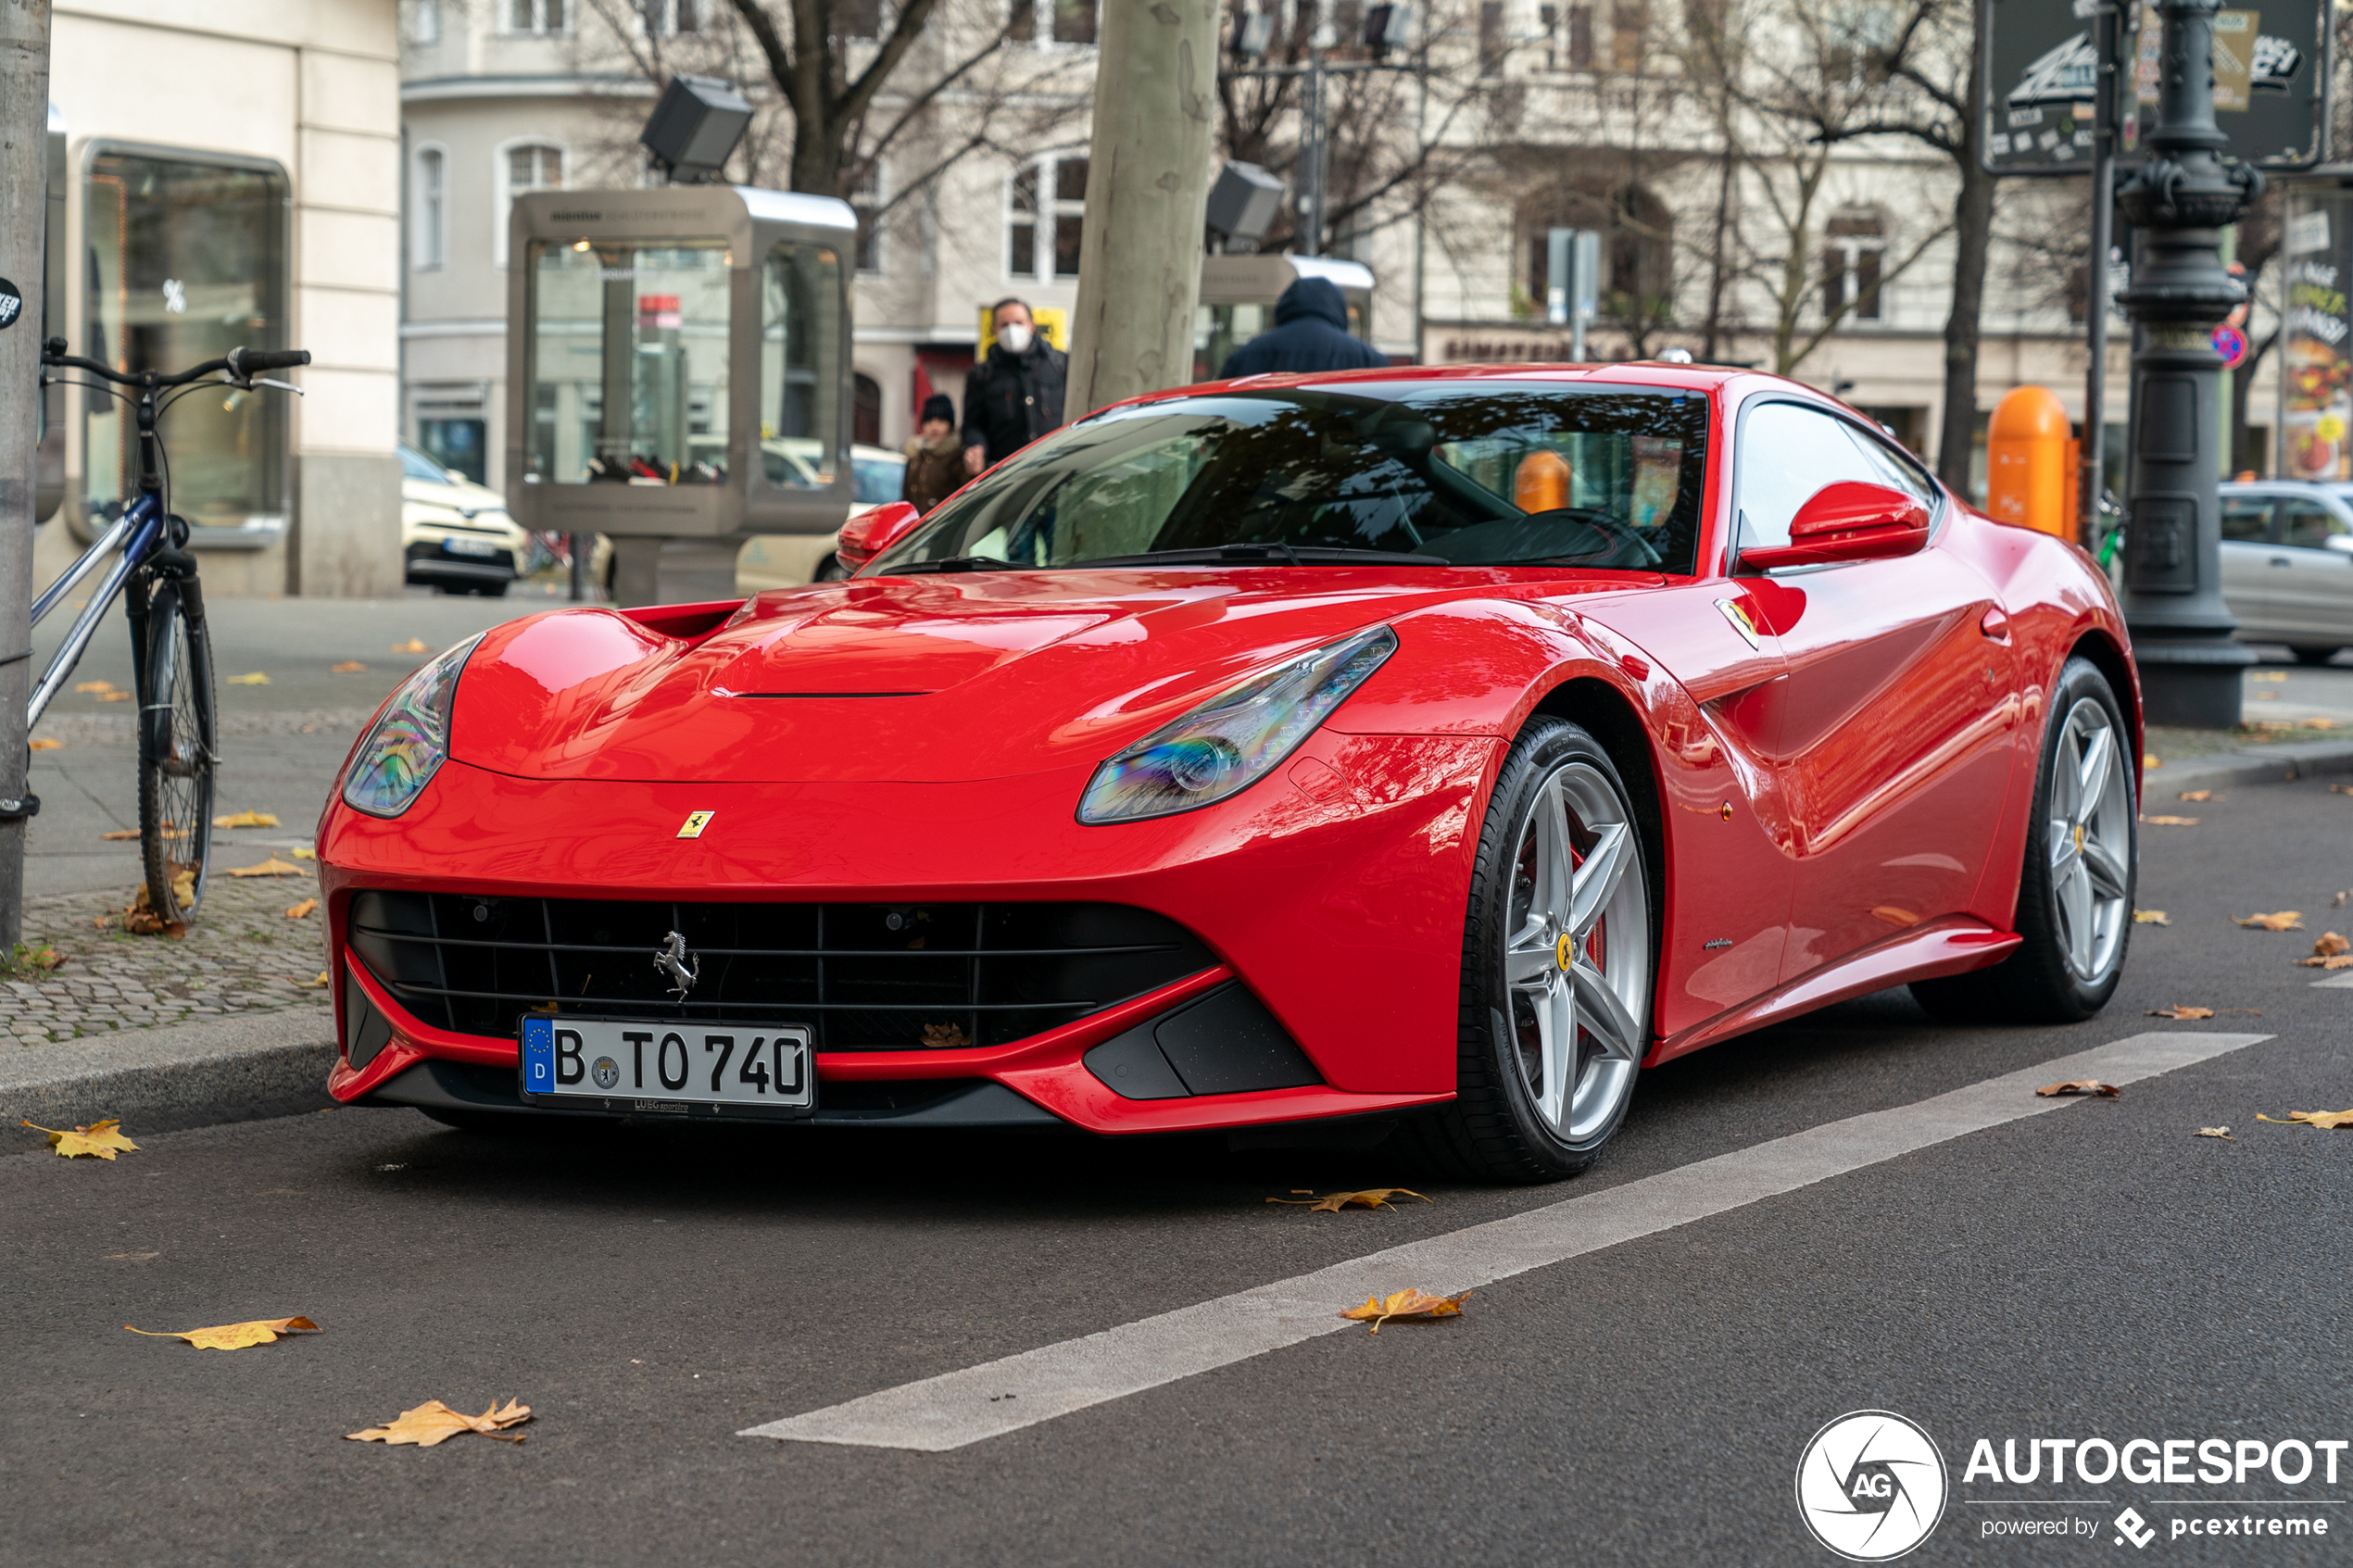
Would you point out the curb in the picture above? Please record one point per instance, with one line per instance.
(165, 1080)
(2267, 764)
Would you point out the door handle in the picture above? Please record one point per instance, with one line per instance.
(2282, 561)
(1995, 625)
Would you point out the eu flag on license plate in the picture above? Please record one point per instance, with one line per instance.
(539, 1056)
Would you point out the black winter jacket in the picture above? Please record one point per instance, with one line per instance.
(1011, 400)
(1310, 333)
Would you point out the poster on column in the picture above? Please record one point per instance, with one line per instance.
(2316, 366)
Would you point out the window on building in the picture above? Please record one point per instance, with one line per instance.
(1074, 21)
(1021, 20)
(537, 16)
(866, 200)
(1491, 37)
(1630, 27)
(429, 208)
(186, 259)
(534, 168)
(424, 21)
(670, 18)
(1854, 245)
(1046, 216)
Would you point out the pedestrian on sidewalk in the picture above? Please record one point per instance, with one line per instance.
(1310, 333)
(935, 458)
(1016, 394)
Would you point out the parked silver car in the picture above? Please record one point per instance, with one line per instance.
(2287, 565)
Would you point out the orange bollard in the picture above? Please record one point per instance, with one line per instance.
(1540, 482)
(2029, 462)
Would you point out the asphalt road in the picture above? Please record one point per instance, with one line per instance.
(2098, 1271)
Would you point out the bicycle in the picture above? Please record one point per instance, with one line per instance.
(170, 650)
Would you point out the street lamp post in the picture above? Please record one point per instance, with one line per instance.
(2179, 203)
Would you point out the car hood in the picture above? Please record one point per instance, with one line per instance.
(913, 679)
(466, 497)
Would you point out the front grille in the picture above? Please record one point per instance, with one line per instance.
(866, 977)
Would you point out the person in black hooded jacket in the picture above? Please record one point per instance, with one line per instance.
(1310, 333)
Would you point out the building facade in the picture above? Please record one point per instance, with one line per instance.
(230, 176)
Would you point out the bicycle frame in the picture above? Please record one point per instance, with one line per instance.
(138, 533)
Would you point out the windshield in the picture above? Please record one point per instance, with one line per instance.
(416, 465)
(1481, 473)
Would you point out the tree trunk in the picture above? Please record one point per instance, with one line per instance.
(1147, 185)
(1709, 339)
(1972, 228)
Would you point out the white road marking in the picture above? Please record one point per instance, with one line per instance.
(957, 1407)
(2341, 981)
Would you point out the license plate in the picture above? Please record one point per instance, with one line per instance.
(628, 1065)
(471, 547)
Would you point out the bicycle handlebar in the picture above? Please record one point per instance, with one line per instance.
(242, 364)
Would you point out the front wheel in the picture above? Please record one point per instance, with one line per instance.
(1557, 967)
(178, 750)
(2075, 893)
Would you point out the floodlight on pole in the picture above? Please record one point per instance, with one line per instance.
(695, 127)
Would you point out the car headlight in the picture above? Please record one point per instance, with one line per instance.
(1231, 741)
(409, 740)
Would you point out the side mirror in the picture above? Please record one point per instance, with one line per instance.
(874, 530)
(1847, 522)
(2341, 542)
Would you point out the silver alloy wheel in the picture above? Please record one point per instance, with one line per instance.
(2089, 839)
(1577, 966)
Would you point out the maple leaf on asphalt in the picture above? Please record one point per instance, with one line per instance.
(270, 867)
(2329, 944)
(46, 744)
(434, 1421)
(2312, 1117)
(1407, 1303)
(245, 820)
(101, 1138)
(2170, 822)
(1333, 1202)
(2339, 961)
(236, 1335)
(2222, 1132)
(2179, 1011)
(2080, 1087)
(2283, 920)
(120, 833)
(2150, 917)
(256, 679)
(298, 911)
(348, 667)
(2196, 795)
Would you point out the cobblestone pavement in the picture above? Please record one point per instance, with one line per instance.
(242, 954)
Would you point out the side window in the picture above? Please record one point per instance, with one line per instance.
(2246, 519)
(2307, 524)
(1788, 452)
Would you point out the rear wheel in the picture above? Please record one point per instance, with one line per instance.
(2075, 892)
(1557, 966)
(178, 750)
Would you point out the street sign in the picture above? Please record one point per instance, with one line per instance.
(11, 304)
(2231, 344)
(2270, 83)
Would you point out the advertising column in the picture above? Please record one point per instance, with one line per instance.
(2316, 367)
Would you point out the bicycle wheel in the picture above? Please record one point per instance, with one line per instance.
(177, 752)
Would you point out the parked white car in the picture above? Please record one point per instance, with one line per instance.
(2287, 565)
(779, 560)
(455, 535)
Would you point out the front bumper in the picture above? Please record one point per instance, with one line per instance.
(1335, 901)
(428, 561)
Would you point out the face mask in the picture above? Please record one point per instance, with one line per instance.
(1015, 338)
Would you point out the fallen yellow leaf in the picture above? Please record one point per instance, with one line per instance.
(237, 1336)
(2150, 917)
(348, 667)
(246, 819)
(2177, 1011)
(95, 687)
(46, 744)
(116, 697)
(2080, 1087)
(434, 1421)
(1407, 1303)
(2339, 961)
(2196, 795)
(139, 917)
(2319, 723)
(321, 981)
(2151, 759)
(125, 833)
(2222, 1132)
(256, 678)
(270, 867)
(2313, 1118)
(304, 854)
(296, 911)
(2170, 822)
(2283, 920)
(2267, 675)
(104, 1139)
(1333, 1202)
(414, 644)
(2341, 789)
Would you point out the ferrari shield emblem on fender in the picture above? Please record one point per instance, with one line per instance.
(696, 822)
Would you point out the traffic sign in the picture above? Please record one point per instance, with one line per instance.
(2231, 344)
(2270, 83)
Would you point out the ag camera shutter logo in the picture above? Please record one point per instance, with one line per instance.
(1871, 1486)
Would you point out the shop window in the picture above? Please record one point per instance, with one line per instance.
(186, 259)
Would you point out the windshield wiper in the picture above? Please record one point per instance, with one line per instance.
(1263, 554)
(951, 563)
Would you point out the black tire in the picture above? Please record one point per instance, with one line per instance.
(179, 749)
(2040, 983)
(493, 590)
(2308, 655)
(1494, 1131)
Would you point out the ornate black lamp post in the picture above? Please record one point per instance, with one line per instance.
(2180, 201)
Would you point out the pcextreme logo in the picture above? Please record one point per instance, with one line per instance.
(1871, 1486)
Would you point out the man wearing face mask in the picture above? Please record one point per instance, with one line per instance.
(1016, 394)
